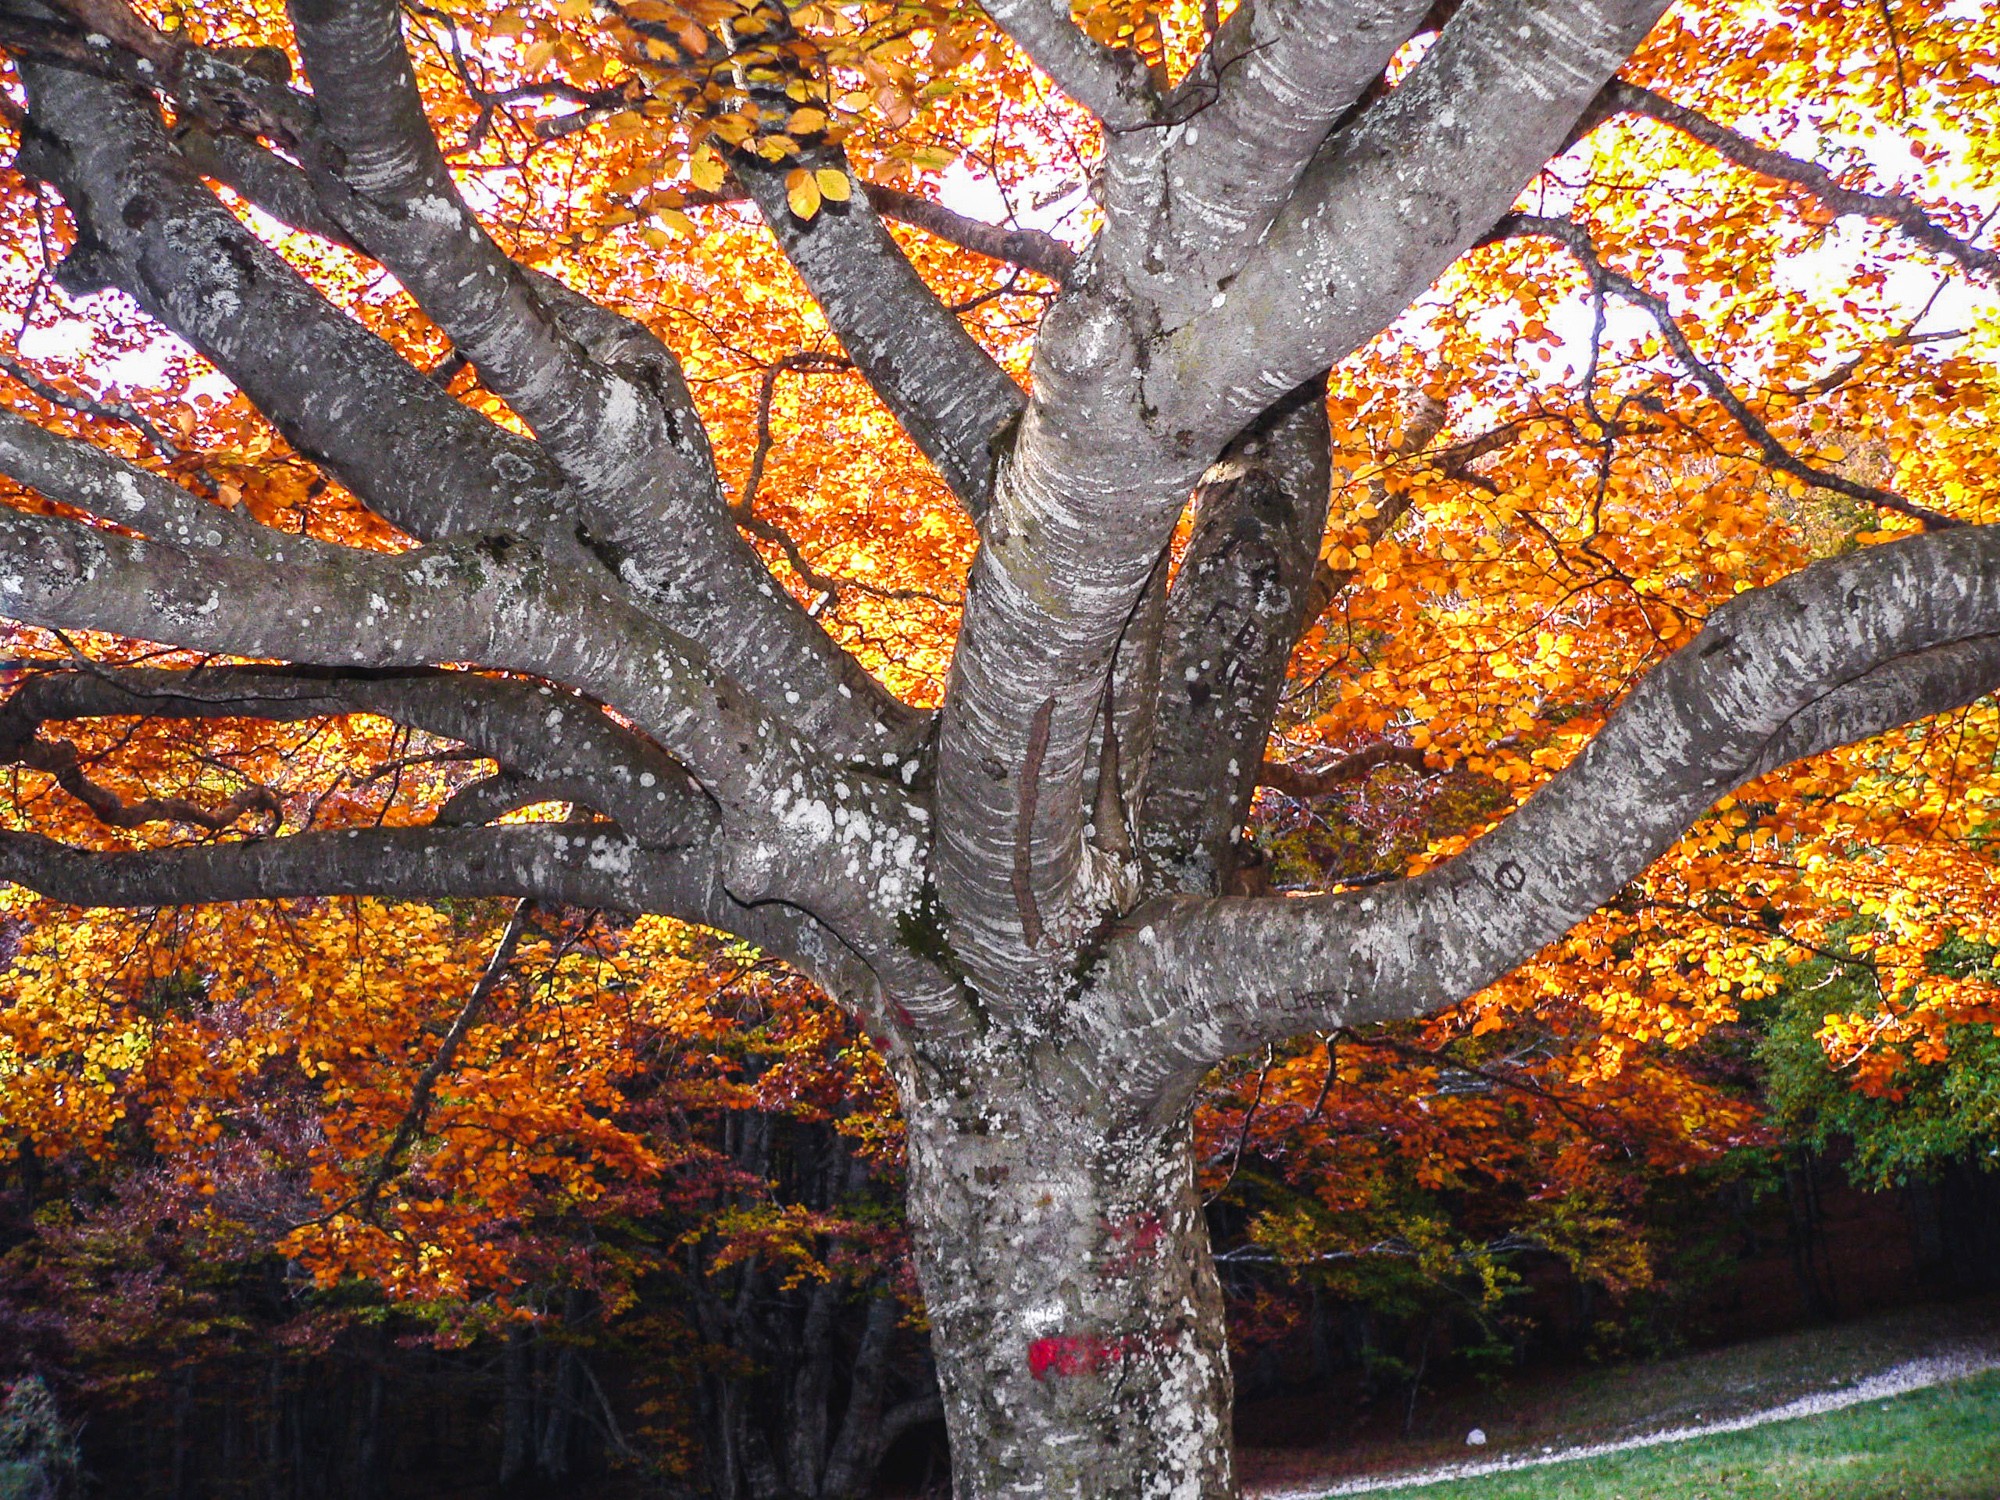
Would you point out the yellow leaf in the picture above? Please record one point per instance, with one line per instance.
(537, 57)
(833, 184)
(675, 219)
(806, 121)
(802, 192)
(706, 168)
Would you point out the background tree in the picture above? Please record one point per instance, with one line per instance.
(492, 514)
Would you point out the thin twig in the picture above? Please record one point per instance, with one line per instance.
(420, 1097)
(110, 411)
(1243, 1131)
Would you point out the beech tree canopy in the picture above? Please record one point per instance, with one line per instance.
(874, 479)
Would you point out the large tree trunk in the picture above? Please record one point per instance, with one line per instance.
(1074, 1306)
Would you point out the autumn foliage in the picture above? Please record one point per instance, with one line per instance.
(1540, 492)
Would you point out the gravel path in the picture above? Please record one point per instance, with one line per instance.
(1912, 1375)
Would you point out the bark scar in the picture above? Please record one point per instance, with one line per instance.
(1024, 824)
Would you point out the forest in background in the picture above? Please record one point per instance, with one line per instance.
(1397, 1214)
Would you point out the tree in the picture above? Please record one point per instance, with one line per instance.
(1036, 894)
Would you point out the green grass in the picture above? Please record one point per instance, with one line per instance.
(1939, 1444)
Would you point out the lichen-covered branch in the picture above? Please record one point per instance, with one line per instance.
(945, 391)
(605, 397)
(1839, 651)
(1112, 84)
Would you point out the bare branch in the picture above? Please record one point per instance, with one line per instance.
(264, 178)
(58, 758)
(1030, 249)
(1576, 239)
(767, 389)
(548, 862)
(1906, 213)
(1297, 781)
(420, 1093)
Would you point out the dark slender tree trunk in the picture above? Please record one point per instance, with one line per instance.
(367, 1450)
(517, 1411)
(1802, 1200)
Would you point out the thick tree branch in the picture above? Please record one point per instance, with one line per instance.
(1398, 195)
(545, 862)
(563, 864)
(799, 828)
(492, 797)
(384, 174)
(1236, 609)
(1576, 239)
(264, 178)
(603, 395)
(552, 863)
(1844, 649)
(149, 225)
(1249, 117)
(106, 486)
(1114, 85)
(566, 743)
(944, 390)
(1030, 249)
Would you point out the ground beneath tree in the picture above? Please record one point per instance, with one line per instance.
(1609, 1409)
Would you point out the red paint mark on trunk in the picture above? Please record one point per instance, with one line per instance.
(1131, 1242)
(1085, 1354)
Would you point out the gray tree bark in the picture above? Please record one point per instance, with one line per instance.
(1024, 897)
